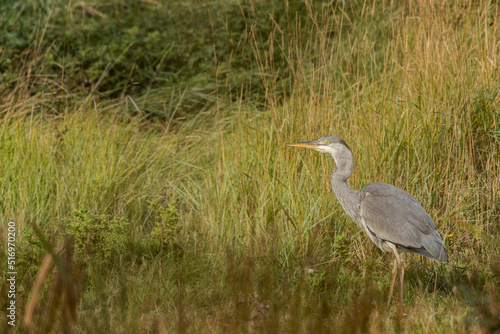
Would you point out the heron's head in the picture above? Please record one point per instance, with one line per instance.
(334, 145)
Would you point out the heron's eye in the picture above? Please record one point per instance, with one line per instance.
(326, 142)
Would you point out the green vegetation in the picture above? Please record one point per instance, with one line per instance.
(142, 146)
(96, 235)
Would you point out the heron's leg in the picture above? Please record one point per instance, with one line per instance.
(393, 279)
(399, 265)
(401, 275)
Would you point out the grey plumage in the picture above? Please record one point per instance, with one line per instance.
(392, 218)
(394, 215)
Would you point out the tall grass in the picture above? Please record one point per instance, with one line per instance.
(254, 239)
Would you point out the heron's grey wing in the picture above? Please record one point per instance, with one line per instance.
(394, 215)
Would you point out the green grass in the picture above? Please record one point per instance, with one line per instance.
(174, 204)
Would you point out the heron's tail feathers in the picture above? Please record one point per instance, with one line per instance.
(433, 248)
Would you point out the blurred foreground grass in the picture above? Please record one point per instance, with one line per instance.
(144, 142)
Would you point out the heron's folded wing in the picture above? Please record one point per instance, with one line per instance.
(394, 215)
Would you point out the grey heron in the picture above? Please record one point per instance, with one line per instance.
(392, 218)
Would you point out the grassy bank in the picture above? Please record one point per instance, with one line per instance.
(152, 190)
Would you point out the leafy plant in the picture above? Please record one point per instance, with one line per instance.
(166, 226)
(96, 234)
(340, 244)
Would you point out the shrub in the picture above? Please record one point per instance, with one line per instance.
(166, 227)
(96, 234)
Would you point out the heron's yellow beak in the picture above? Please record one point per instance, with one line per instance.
(306, 144)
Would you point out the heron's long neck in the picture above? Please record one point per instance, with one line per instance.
(347, 196)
